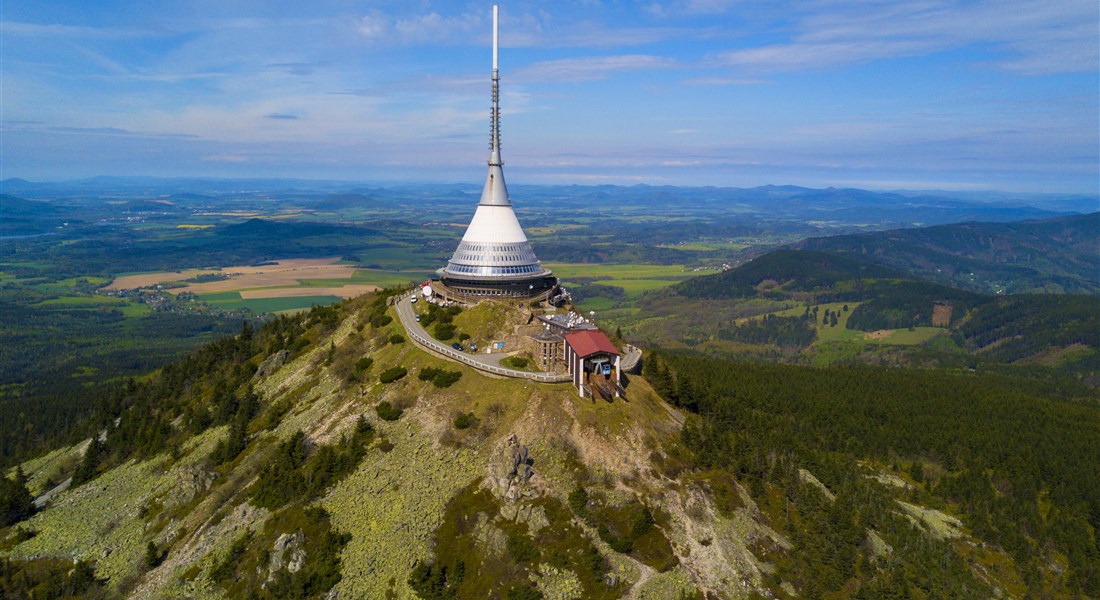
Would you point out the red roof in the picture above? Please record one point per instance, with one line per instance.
(588, 342)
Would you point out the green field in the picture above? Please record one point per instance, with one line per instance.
(671, 273)
(633, 279)
(909, 337)
(827, 334)
(707, 246)
(233, 301)
(381, 278)
(83, 301)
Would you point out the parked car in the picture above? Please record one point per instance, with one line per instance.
(413, 300)
(457, 346)
(417, 318)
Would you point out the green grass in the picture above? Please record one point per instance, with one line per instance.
(841, 332)
(633, 279)
(218, 297)
(83, 301)
(840, 344)
(136, 310)
(706, 246)
(381, 278)
(612, 271)
(635, 287)
(598, 304)
(233, 301)
(906, 337)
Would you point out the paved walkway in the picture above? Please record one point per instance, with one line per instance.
(632, 355)
(490, 363)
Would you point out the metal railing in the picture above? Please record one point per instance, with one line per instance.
(632, 355)
(439, 348)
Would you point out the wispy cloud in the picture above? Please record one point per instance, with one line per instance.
(230, 158)
(590, 68)
(719, 80)
(434, 27)
(69, 32)
(1034, 37)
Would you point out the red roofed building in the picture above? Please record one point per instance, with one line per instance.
(593, 361)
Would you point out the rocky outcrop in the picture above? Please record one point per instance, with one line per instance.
(287, 552)
(272, 363)
(510, 470)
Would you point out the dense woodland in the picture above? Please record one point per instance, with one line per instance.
(1015, 458)
(1055, 255)
(58, 361)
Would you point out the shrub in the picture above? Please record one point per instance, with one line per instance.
(153, 556)
(462, 337)
(380, 320)
(439, 377)
(16, 502)
(521, 549)
(392, 374)
(224, 569)
(444, 331)
(515, 362)
(387, 411)
(397, 338)
(363, 364)
(465, 421)
(578, 501)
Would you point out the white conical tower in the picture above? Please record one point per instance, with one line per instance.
(494, 258)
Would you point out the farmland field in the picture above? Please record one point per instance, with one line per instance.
(233, 301)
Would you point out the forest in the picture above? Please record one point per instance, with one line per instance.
(1016, 458)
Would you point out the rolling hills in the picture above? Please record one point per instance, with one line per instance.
(307, 458)
(1059, 255)
(805, 306)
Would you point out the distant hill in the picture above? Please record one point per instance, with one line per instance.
(790, 270)
(19, 216)
(1053, 255)
(775, 305)
(833, 206)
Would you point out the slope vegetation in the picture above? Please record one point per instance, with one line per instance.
(1053, 255)
(323, 455)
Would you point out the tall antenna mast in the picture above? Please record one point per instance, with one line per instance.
(494, 112)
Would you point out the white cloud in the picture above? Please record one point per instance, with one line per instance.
(590, 68)
(1034, 37)
(432, 27)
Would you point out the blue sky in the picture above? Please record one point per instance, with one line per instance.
(880, 94)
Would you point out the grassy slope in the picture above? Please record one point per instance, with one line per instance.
(390, 504)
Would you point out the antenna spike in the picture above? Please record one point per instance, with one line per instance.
(494, 112)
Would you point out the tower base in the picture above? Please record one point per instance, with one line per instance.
(471, 290)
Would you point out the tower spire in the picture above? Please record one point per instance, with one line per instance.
(494, 258)
(494, 111)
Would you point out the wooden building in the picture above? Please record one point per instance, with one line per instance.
(594, 363)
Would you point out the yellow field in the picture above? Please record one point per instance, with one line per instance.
(279, 280)
(347, 291)
(129, 282)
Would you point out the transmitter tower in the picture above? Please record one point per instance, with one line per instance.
(494, 258)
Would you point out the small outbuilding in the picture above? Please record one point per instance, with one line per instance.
(594, 363)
